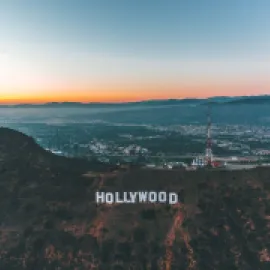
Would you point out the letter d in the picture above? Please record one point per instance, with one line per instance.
(173, 198)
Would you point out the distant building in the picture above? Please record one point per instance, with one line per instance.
(199, 162)
(150, 165)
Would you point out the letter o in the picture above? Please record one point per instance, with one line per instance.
(109, 198)
(152, 196)
(162, 197)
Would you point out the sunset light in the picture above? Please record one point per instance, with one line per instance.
(102, 52)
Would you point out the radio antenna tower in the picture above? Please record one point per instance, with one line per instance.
(208, 152)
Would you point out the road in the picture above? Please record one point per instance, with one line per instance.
(222, 158)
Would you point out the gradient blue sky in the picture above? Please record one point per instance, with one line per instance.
(133, 49)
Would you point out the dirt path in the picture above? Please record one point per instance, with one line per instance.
(170, 238)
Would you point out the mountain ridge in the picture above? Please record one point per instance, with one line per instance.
(227, 100)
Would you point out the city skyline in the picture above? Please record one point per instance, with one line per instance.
(117, 51)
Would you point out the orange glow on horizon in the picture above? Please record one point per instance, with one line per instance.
(133, 93)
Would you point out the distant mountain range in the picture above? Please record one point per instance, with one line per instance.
(248, 100)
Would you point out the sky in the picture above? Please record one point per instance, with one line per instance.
(127, 50)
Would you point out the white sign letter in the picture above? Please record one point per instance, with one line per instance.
(173, 198)
(152, 196)
(162, 197)
(100, 198)
(109, 198)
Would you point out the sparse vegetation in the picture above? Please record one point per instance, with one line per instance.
(48, 217)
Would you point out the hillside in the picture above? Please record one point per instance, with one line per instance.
(49, 220)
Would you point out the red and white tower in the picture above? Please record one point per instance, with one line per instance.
(208, 151)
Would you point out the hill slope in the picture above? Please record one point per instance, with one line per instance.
(48, 217)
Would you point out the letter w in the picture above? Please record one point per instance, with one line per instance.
(142, 196)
